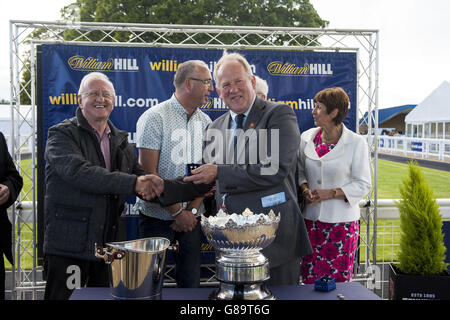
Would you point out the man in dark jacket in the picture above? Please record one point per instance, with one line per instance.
(10, 185)
(90, 169)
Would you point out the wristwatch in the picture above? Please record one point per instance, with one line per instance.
(193, 210)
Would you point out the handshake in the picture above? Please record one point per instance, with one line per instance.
(149, 186)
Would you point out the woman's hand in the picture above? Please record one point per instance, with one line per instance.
(307, 194)
(327, 194)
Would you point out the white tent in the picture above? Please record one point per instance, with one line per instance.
(431, 118)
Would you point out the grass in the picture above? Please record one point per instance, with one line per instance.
(388, 239)
(391, 174)
(26, 172)
(26, 262)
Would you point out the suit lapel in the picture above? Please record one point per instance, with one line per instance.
(217, 146)
(310, 150)
(255, 114)
(253, 120)
(223, 124)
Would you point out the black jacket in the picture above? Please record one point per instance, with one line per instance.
(83, 200)
(10, 177)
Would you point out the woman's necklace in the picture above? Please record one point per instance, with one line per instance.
(332, 137)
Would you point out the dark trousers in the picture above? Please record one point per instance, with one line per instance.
(2, 277)
(187, 259)
(286, 274)
(60, 275)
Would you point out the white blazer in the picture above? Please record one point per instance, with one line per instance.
(346, 166)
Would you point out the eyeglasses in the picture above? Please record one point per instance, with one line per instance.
(206, 82)
(95, 94)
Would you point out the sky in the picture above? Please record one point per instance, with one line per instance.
(414, 40)
(414, 43)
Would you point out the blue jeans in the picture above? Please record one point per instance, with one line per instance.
(188, 258)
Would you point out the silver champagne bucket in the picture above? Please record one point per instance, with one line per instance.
(137, 267)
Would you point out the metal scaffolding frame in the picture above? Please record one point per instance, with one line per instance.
(23, 59)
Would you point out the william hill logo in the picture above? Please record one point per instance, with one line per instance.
(279, 68)
(81, 63)
(164, 65)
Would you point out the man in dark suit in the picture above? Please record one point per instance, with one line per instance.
(10, 185)
(259, 173)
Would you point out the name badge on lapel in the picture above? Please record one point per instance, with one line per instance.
(273, 200)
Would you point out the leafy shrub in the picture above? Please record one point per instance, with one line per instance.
(422, 249)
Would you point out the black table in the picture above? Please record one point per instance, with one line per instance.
(349, 290)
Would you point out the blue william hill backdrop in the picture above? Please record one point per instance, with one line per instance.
(143, 77)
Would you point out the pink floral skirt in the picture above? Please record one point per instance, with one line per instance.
(334, 247)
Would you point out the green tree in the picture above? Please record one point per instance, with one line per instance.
(273, 13)
(422, 249)
(281, 13)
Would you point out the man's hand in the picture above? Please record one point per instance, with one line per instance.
(4, 194)
(185, 221)
(206, 174)
(157, 182)
(149, 186)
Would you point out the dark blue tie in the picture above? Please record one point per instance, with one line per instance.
(239, 124)
(239, 121)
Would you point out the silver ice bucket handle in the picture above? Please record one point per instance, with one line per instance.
(107, 255)
(110, 254)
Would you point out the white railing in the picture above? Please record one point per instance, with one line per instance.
(25, 142)
(425, 148)
(387, 209)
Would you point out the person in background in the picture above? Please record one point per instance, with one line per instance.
(90, 169)
(261, 89)
(155, 131)
(334, 175)
(10, 185)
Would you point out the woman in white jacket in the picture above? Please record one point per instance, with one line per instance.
(334, 175)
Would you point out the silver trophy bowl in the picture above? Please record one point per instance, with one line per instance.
(241, 268)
